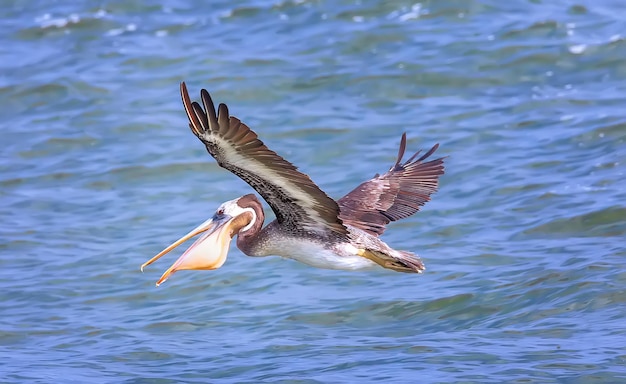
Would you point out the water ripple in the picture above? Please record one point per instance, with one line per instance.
(523, 244)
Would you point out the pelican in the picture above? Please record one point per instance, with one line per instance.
(310, 227)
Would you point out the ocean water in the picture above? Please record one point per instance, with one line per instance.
(524, 244)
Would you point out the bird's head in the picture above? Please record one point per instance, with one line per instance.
(210, 250)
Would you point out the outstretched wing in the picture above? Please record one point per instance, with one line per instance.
(295, 199)
(397, 194)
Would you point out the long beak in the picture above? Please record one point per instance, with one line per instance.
(208, 252)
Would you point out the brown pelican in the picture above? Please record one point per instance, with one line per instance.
(310, 226)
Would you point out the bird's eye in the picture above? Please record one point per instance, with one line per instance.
(220, 211)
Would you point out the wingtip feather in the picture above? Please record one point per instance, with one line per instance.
(194, 123)
(209, 107)
(401, 150)
(427, 154)
(223, 116)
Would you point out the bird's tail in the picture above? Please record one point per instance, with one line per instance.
(400, 261)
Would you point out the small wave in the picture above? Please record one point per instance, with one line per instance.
(47, 21)
(609, 222)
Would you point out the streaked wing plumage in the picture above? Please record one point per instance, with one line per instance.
(291, 194)
(397, 194)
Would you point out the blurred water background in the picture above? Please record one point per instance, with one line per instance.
(524, 244)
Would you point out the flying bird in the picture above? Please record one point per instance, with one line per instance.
(310, 227)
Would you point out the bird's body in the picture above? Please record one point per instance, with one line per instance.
(310, 227)
(331, 251)
(312, 251)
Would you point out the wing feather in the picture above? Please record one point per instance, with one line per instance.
(397, 194)
(296, 201)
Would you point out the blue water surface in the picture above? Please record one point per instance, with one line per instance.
(524, 243)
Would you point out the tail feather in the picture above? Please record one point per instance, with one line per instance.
(401, 261)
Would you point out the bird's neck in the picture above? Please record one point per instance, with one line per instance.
(251, 241)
